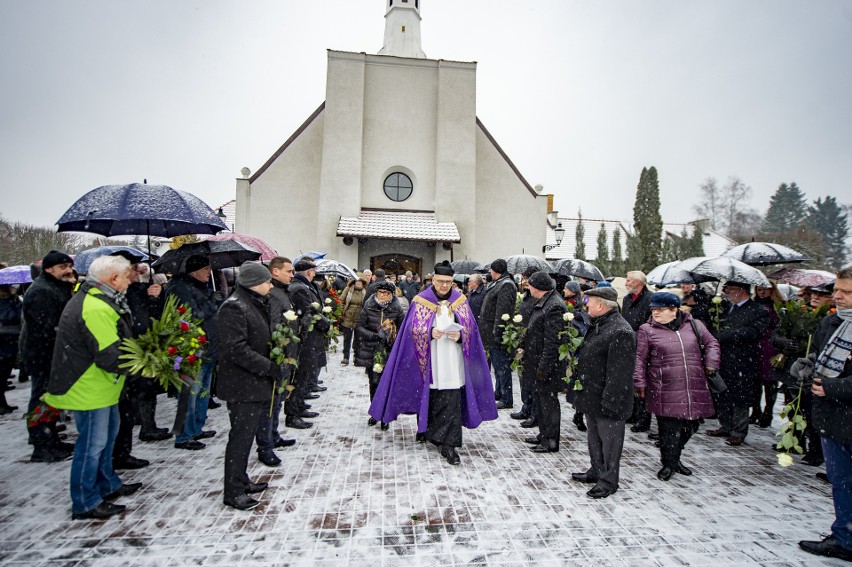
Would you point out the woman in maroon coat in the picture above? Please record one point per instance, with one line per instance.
(671, 375)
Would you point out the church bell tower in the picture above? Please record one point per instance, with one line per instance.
(402, 29)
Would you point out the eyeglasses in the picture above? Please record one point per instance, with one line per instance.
(442, 282)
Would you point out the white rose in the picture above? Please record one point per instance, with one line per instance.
(328, 300)
(517, 318)
(717, 300)
(378, 367)
(315, 305)
(326, 309)
(290, 315)
(784, 459)
(505, 317)
(568, 316)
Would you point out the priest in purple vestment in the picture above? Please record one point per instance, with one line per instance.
(437, 368)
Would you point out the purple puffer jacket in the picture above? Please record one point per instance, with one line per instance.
(669, 367)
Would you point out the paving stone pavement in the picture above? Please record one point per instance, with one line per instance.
(348, 493)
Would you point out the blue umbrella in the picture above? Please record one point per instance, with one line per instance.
(84, 259)
(15, 275)
(153, 210)
(311, 256)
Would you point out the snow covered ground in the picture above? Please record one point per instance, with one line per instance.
(351, 494)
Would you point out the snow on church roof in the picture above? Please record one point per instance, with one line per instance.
(398, 225)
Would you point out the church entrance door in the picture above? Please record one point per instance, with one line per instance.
(397, 264)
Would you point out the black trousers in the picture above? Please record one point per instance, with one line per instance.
(444, 422)
(766, 390)
(347, 341)
(528, 396)
(126, 412)
(674, 434)
(295, 403)
(245, 417)
(549, 413)
(42, 435)
(373, 379)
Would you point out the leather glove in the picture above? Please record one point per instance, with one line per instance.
(803, 368)
(275, 372)
(322, 325)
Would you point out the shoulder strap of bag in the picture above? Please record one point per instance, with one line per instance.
(698, 336)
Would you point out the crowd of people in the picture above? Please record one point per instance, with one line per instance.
(433, 349)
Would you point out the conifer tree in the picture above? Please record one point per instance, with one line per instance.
(602, 258)
(635, 258)
(580, 235)
(787, 209)
(647, 222)
(696, 243)
(828, 219)
(616, 263)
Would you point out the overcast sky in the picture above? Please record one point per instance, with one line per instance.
(580, 94)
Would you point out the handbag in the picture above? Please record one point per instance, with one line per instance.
(715, 382)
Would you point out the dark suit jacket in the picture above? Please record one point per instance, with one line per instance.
(740, 332)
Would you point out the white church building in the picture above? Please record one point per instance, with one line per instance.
(394, 169)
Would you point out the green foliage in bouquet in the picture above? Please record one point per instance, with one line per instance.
(513, 335)
(170, 351)
(570, 341)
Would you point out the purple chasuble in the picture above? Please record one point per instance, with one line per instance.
(404, 386)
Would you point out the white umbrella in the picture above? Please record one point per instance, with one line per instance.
(725, 269)
(764, 254)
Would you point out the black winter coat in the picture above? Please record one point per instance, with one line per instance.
(43, 305)
(369, 322)
(499, 299)
(605, 368)
(204, 305)
(246, 374)
(279, 303)
(143, 307)
(832, 413)
(10, 326)
(475, 299)
(312, 348)
(739, 336)
(541, 342)
(637, 312)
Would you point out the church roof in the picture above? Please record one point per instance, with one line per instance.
(398, 225)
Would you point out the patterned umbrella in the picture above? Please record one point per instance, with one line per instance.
(15, 275)
(724, 269)
(803, 278)
(578, 268)
(764, 254)
(267, 253)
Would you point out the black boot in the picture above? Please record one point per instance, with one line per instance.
(579, 421)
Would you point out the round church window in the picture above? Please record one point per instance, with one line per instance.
(398, 187)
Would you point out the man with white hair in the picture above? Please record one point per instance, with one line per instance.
(85, 378)
(605, 372)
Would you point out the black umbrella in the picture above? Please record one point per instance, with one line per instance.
(152, 210)
(465, 266)
(578, 268)
(670, 274)
(222, 254)
(521, 262)
(764, 254)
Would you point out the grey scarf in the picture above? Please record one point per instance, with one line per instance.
(115, 296)
(832, 359)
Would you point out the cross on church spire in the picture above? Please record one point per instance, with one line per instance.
(402, 29)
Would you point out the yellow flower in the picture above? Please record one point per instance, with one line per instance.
(784, 459)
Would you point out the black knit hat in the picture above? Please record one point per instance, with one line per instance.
(54, 258)
(196, 262)
(499, 265)
(541, 281)
(303, 265)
